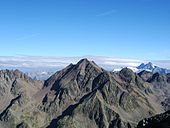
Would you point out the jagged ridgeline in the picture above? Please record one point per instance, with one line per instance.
(82, 96)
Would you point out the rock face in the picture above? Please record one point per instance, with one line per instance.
(115, 100)
(160, 83)
(82, 95)
(16, 92)
(158, 121)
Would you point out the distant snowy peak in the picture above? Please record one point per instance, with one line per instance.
(151, 67)
(148, 67)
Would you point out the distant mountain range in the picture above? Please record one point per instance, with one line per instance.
(151, 67)
(44, 74)
(148, 67)
(41, 68)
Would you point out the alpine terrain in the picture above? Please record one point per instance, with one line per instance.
(83, 96)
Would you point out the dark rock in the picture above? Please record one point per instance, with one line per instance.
(23, 125)
(158, 121)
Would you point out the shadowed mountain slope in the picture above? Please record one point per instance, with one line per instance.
(84, 84)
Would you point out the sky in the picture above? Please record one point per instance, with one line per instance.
(120, 28)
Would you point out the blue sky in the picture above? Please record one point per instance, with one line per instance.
(119, 28)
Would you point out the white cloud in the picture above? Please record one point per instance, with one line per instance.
(61, 62)
(106, 13)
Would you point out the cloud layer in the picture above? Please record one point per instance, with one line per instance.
(34, 62)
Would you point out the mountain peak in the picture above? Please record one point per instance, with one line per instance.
(14, 74)
(152, 68)
(83, 63)
(83, 67)
(127, 74)
(84, 60)
(148, 66)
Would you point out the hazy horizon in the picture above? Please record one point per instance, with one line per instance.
(36, 63)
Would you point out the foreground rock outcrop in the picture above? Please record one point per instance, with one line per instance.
(158, 121)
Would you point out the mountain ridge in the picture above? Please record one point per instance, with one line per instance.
(151, 67)
(147, 67)
(84, 91)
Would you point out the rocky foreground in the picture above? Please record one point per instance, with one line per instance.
(82, 96)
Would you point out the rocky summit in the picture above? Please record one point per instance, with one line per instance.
(82, 96)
